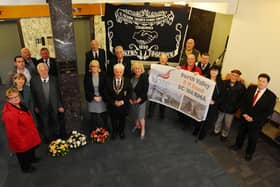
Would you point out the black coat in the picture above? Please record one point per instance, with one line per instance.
(127, 65)
(32, 66)
(141, 88)
(53, 66)
(89, 87)
(111, 96)
(231, 97)
(206, 70)
(263, 107)
(101, 59)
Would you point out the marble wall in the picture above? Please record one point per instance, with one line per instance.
(33, 29)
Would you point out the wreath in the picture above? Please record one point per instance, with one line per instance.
(58, 148)
(76, 140)
(99, 135)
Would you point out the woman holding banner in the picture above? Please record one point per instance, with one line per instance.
(202, 128)
(140, 85)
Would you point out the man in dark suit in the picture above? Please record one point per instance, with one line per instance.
(257, 105)
(119, 58)
(47, 102)
(30, 62)
(117, 94)
(51, 62)
(95, 53)
(204, 64)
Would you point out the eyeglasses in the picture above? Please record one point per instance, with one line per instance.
(11, 98)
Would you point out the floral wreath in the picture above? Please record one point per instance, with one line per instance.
(76, 140)
(58, 148)
(99, 135)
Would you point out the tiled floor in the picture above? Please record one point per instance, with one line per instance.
(167, 157)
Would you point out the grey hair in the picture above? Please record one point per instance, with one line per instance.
(119, 66)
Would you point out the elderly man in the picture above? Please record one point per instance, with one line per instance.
(204, 64)
(119, 58)
(95, 53)
(117, 95)
(189, 49)
(47, 102)
(257, 105)
(51, 62)
(19, 68)
(232, 93)
(30, 62)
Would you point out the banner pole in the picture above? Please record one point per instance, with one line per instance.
(187, 27)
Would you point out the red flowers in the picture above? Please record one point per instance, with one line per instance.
(99, 135)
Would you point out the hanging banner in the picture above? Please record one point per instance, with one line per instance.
(181, 90)
(145, 32)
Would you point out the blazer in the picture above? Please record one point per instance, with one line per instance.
(89, 87)
(111, 96)
(126, 62)
(231, 97)
(263, 107)
(53, 66)
(26, 97)
(206, 70)
(101, 59)
(141, 88)
(39, 100)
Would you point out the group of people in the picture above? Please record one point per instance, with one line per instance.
(117, 88)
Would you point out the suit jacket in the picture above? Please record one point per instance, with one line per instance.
(53, 66)
(263, 107)
(183, 60)
(206, 70)
(141, 88)
(101, 59)
(32, 66)
(111, 96)
(38, 94)
(126, 62)
(89, 87)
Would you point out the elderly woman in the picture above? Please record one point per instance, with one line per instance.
(118, 93)
(140, 85)
(94, 84)
(21, 131)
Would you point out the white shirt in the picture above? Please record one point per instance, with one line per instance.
(260, 94)
(47, 79)
(95, 54)
(47, 61)
(27, 75)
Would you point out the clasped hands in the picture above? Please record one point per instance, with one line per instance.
(247, 117)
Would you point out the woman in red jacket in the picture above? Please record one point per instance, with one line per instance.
(22, 134)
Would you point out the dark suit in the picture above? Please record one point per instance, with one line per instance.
(101, 59)
(142, 87)
(127, 65)
(52, 66)
(97, 119)
(118, 114)
(31, 65)
(48, 112)
(206, 70)
(259, 112)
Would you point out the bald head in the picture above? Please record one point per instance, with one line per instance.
(163, 59)
(190, 44)
(94, 45)
(25, 53)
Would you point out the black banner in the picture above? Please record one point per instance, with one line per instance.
(145, 32)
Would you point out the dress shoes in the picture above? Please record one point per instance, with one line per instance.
(223, 139)
(234, 147)
(122, 136)
(248, 157)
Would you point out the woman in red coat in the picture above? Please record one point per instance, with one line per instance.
(22, 135)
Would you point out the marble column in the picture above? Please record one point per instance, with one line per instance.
(64, 43)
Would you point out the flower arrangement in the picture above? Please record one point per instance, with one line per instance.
(58, 147)
(77, 140)
(99, 135)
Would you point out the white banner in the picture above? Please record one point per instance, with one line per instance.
(181, 90)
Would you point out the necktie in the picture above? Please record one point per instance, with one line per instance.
(118, 83)
(255, 98)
